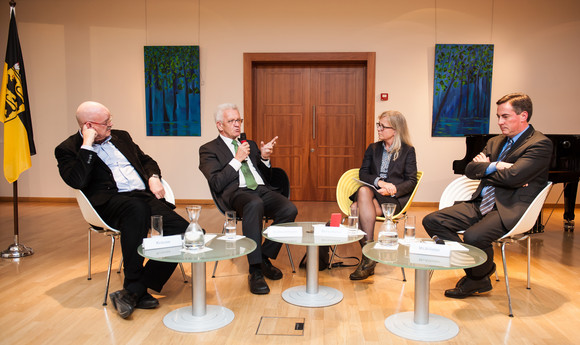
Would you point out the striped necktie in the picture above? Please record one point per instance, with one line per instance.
(248, 176)
(488, 199)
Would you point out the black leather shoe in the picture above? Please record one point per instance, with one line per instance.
(460, 281)
(147, 302)
(365, 269)
(258, 285)
(124, 301)
(467, 287)
(270, 271)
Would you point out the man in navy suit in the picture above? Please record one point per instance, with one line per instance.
(238, 173)
(513, 169)
(124, 186)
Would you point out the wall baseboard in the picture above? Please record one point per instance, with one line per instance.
(73, 200)
(209, 202)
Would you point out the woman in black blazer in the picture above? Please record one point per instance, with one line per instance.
(391, 166)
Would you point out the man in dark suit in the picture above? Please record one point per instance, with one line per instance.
(124, 186)
(513, 169)
(238, 173)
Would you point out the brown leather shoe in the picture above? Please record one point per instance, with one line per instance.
(365, 269)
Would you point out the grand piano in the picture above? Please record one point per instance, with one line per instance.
(564, 167)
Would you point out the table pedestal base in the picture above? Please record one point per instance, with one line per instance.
(325, 297)
(438, 328)
(183, 320)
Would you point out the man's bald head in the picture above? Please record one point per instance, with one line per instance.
(90, 111)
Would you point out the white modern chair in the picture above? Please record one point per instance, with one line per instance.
(459, 189)
(462, 188)
(519, 232)
(98, 225)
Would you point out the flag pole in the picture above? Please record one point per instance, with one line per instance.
(16, 250)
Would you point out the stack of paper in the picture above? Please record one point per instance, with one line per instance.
(284, 231)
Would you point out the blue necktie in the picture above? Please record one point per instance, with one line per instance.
(488, 199)
(248, 176)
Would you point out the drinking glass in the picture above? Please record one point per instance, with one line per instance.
(353, 219)
(409, 235)
(389, 210)
(230, 225)
(156, 225)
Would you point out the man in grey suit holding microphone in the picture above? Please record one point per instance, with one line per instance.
(513, 169)
(238, 174)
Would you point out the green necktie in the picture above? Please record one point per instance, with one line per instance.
(250, 180)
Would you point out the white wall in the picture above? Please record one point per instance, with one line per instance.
(93, 49)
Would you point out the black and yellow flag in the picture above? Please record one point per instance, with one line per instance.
(18, 139)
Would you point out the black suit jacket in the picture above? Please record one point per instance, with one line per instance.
(517, 186)
(223, 179)
(84, 170)
(402, 171)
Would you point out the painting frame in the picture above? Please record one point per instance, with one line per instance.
(462, 89)
(172, 90)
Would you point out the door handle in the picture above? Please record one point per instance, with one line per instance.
(313, 122)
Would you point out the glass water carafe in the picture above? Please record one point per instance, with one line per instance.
(193, 236)
(388, 235)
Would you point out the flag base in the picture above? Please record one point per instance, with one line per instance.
(17, 250)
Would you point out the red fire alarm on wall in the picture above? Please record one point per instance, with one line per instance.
(384, 96)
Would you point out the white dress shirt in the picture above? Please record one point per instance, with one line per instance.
(125, 175)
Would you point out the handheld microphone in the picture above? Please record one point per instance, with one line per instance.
(437, 240)
(243, 138)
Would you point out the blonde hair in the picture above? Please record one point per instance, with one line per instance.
(399, 124)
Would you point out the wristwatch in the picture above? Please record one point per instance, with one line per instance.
(156, 176)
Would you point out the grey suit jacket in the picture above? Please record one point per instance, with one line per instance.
(517, 186)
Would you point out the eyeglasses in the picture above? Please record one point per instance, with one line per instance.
(240, 121)
(106, 123)
(380, 126)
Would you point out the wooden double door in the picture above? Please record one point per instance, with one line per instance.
(318, 112)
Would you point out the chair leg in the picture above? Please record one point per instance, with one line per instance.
(183, 273)
(109, 269)
(89, 251)
(331, 258)
(507, 283)
(497, 275)
(403, 271)
(214, 269)
(120, 266)
(290, 257)
(529, 258)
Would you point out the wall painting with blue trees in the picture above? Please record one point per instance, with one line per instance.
(462, 89)
(172, 90)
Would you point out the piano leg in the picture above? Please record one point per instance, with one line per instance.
(570, 190)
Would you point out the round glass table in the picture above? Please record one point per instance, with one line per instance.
(419, 324)
(311, 294)
(200, 317)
